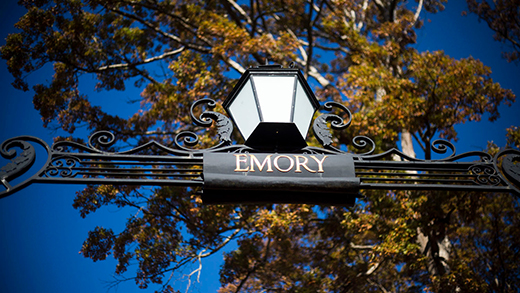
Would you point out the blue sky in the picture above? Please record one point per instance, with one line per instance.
(41, 234)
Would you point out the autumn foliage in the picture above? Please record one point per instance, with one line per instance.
(356, 52)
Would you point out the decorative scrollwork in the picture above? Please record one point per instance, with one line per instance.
(512, 169)
(72, 162)
(97, 141)
(62, 167)
(188, 138)
(361, 142)
(441, 146)
(101, 139)
(486, 175)
(18, 165)
(224, 125)
(320, 127)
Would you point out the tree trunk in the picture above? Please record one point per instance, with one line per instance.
(433, 240)
(436, 246)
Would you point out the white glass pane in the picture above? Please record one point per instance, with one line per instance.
(244, 110)
(303, 111)
(275, 95)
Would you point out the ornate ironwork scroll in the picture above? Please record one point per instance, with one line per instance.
(159, 165)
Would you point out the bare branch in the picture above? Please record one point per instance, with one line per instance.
(197, 270)
(371, 270)
(235, 65)
(417, 12)
(377, 284)
(159, 31)
(313, 72)
(358, 26)
(148, 60)
(226, 241)
(240, 10)
(361, 247)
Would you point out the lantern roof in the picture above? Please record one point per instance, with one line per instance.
(270, 70)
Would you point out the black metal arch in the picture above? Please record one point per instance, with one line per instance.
(182, 165)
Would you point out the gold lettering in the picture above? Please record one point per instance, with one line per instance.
(320, 163)
(240, 160)
(298, 163)
(267, 161)
(302, 164)
(278, 167)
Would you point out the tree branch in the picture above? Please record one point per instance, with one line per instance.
(159, 31)
(417, 12)
(148, 60)
(252, 270)
(377, 284)
(241, 11)
(234, 65)
(371, 270)
(197, 270)
(361, 247)
(226, 241)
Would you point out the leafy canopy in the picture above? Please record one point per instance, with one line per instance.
(181, 51)
(502, 17)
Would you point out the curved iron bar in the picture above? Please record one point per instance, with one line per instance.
(441, 146)
(361, 142)
(486, 175)
(21, 163)
(321, 129)
(438, 146)
(510, 167)
(102, 138)
(211, 104)
(317, 150)
(61, 146)
(105, 139)
(62, 166)
(206, 119)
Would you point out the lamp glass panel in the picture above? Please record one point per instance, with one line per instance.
(244, 111)
(303, 110)
(275, 94)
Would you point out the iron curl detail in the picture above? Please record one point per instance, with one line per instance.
(202, 121)
(361, 142)
(62, 166)
(96, 141)
(101, 139)
(438, 146)
(321, 129)
(511, 166)
(441, 146)
(188, 138)
(206, 119)
(19, 164)
(486, 175)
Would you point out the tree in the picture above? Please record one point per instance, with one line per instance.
(363, 50)
(503, 17)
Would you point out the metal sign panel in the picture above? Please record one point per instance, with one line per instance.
(281, 178)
